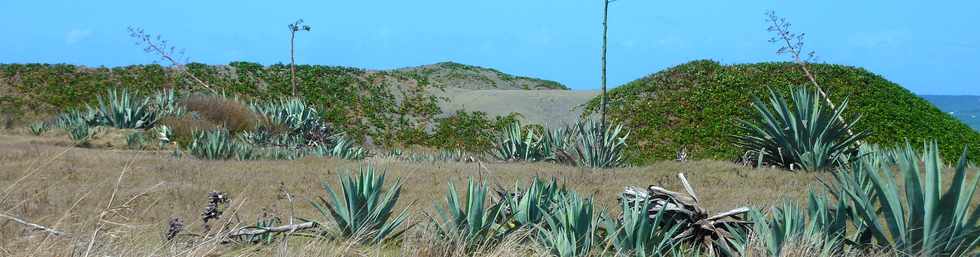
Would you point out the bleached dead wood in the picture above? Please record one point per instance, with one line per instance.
(252, 231)
(34, 225)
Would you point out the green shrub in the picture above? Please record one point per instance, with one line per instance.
(696, 106)
(805, 135)
(355, 101)
(469, 131)
(364, 210)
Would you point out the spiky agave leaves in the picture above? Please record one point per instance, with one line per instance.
(600, 147)
(121, 109)
(528, 207)
(569, 228)
(364, 210)
(918, 217)
(805, 135)
(635, 233)
(38, 128)
(473, 222)
(819, 226)
(219, 145)
(515, 143)
(82, 134)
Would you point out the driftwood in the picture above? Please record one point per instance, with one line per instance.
(33, 225)
(253, 231)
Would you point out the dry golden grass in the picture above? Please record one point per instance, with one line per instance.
(119, 202)
(231, 114)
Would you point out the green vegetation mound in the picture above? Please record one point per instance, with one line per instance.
(695, 106)
(387, 107)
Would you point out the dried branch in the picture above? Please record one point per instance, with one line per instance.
(33, 225)
(794, 46)
(159, 46)
(253, 231)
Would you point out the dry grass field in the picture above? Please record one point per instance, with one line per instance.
(118, 203)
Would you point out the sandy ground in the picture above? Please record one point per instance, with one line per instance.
(546, 107)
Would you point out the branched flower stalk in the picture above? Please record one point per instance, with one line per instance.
(794, 46)
(159, 46)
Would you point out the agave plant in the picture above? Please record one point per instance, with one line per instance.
(82, 134)
(517, 144)
(38, 128)
(570, 227)
(135, 141)
(820, 226)
(473, 222)
(164, 134)
(364, 211)
(290, 113)
(212, 145)
(343, 148)
(805, 135)
(166, 103)
(75, 117)
(527, 208)
(600, 147)
(121, 109)
(636, 234)
(921, 216)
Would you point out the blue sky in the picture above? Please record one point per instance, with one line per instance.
(930, 48)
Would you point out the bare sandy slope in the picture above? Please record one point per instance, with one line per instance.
(546, 107)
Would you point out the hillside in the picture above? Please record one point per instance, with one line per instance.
(455, 75)
(366, 103)
(963, 107)
(695, 105)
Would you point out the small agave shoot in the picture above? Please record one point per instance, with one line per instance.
(38, 128)
(120, 109)
(82, 134)
(364, 210)
(920, 217)
(473, 223)
(570, 227)
(806, 135)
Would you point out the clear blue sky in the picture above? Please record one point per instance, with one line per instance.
(929, 47)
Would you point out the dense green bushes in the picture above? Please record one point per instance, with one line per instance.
(387, 107)
(696, 105)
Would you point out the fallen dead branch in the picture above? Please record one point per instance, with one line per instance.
(34, 225)
(254, 231)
